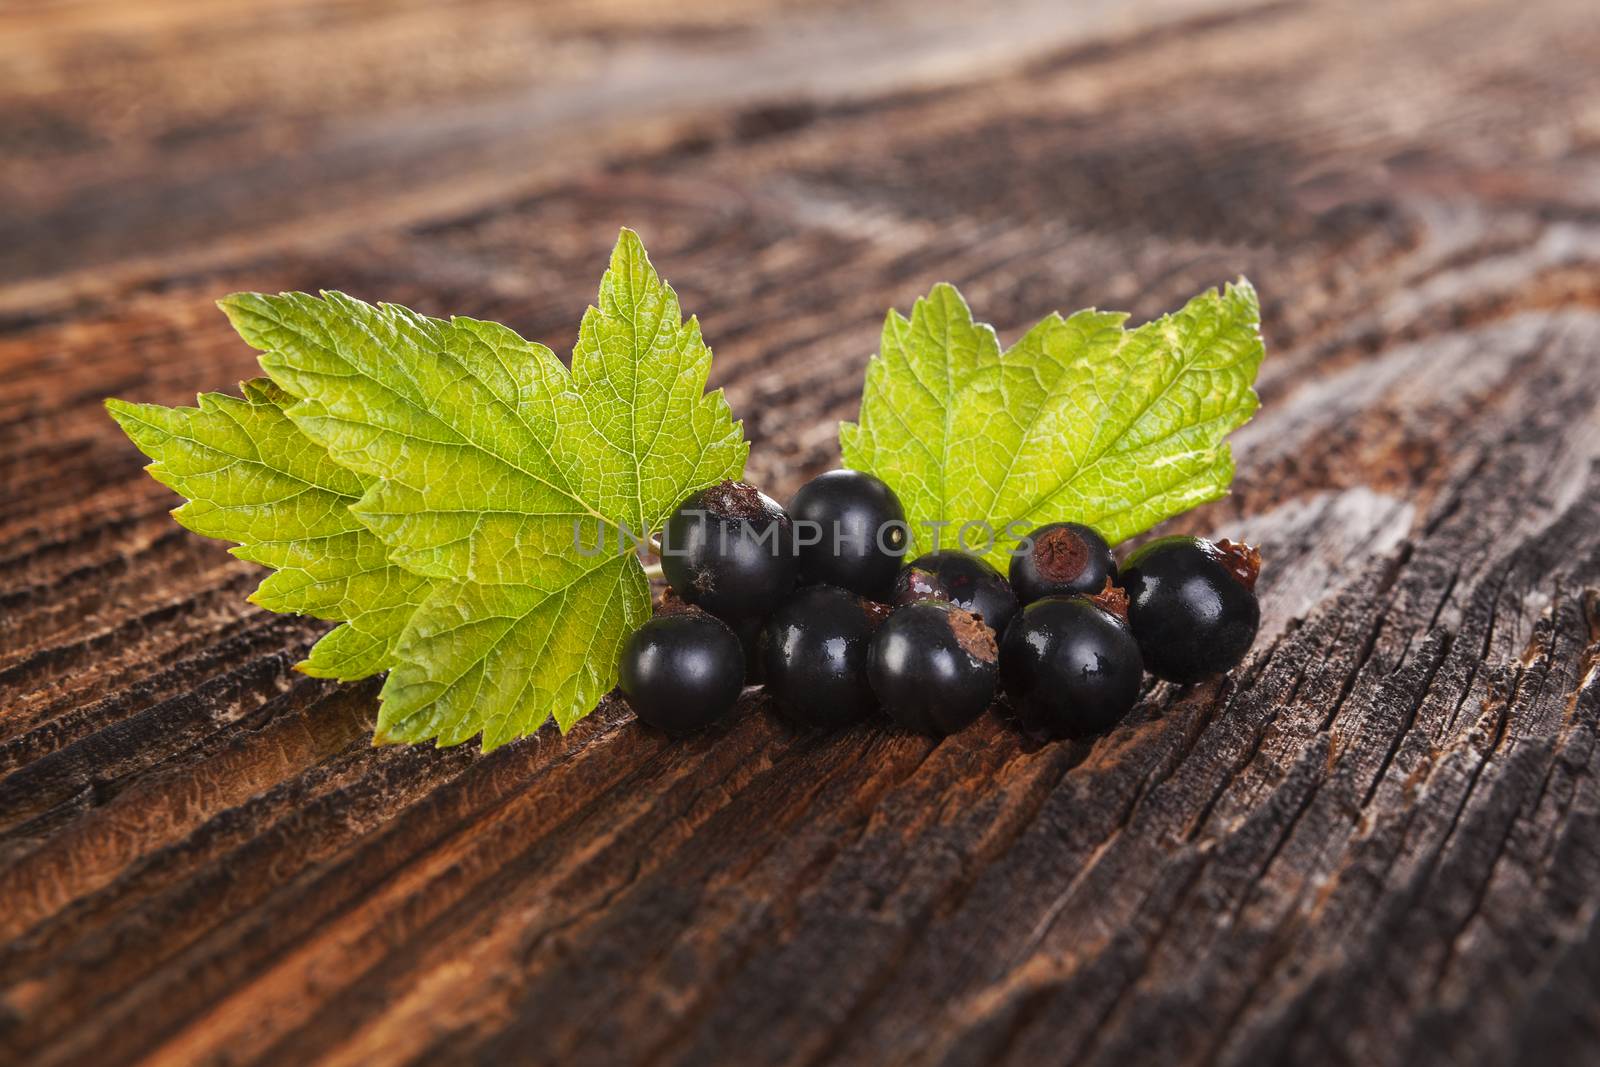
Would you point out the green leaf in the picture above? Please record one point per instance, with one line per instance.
(253, 478)
(498, 659)
(1080, 420)
(487, 456)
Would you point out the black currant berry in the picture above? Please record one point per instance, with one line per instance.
(814, 655)
(964, 580)
(730, 550)
(683, 671)
(1060, 559)
(851, 532)
(1070, 665)
(747, 629)
(933, 667)
(1192, 605)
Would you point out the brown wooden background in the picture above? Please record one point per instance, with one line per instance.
(1379, 842)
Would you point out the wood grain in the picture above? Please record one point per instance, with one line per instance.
(1378, 841)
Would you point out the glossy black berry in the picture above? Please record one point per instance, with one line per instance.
(933, 667)
(730, 550)
(1060, 559)
(851, 532)
(964, 580)
(682, 672)
(1192, 605)
(814, 656)
(1069, 666)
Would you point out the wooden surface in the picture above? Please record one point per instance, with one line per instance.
(1378, 842)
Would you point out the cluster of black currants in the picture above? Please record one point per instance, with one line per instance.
(814, 604)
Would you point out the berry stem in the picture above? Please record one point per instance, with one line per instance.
(653, 570)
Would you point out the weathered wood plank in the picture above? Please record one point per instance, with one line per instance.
(1378, 841)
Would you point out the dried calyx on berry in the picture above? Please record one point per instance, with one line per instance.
(1112, 599)
(1243, 561)
(1061, 558)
